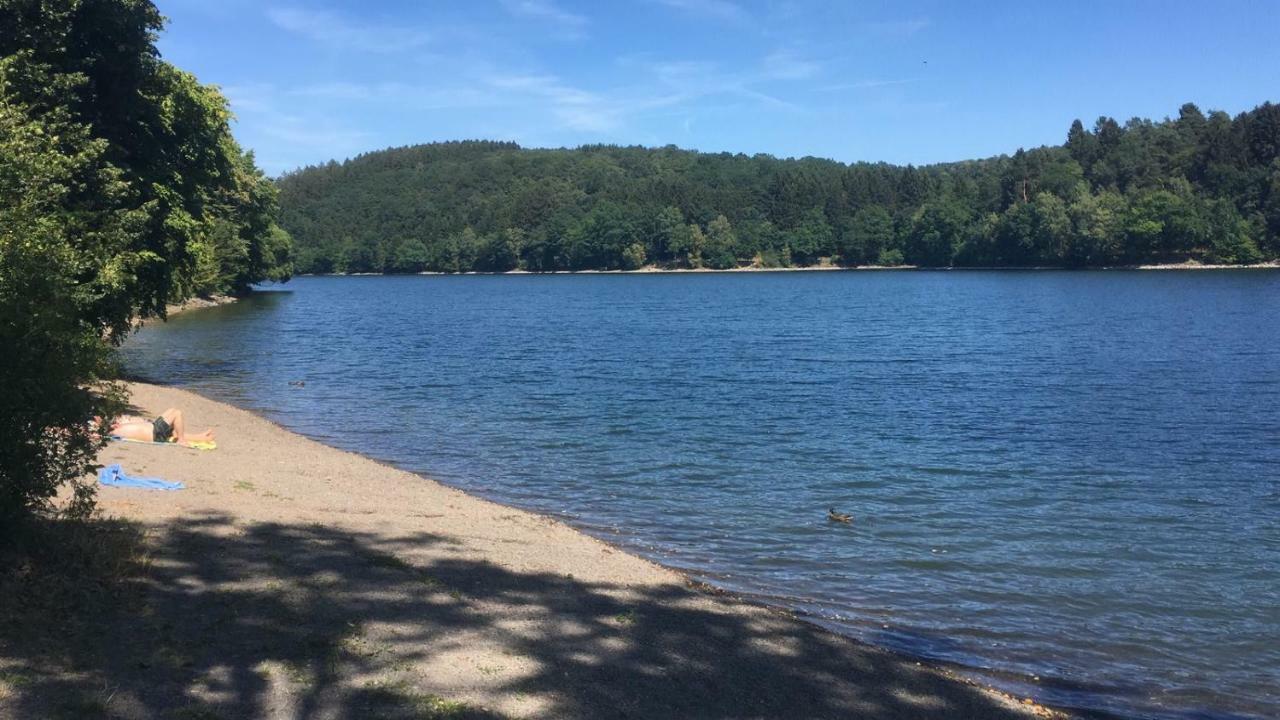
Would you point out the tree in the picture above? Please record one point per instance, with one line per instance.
(1271, 209)
(720, 244)
(411, 256)
(500, 252)
(1163, 226)
(937, 230)
(633, 256)
(669, 228)
(1053, 229)
(53, 182)
(686, 245)
(870, 233)
(1082, 145)
(599, 239)
(121, 190)
(1097, 228)
(456, 254)
(811, 239)
(1230, 236)
(1262, 134)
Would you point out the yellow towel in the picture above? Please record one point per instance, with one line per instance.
(196, 444)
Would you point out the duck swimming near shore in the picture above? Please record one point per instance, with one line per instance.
(839, 517)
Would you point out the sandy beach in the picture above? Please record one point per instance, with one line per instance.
(291, 579)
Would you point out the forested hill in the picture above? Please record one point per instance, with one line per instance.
(1198, 187)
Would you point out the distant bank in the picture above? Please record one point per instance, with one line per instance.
(1199, 187)
(654, 270)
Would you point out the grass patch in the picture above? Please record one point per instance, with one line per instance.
(392, 562)
(244, 485)
(387, 560)
(298, 672)
(434, 706)
(398, 699)
(360, 646)
(626, 618)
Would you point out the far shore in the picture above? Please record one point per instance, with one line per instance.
(655, 270)
(293, 579)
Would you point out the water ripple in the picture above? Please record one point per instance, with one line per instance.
(1068, 476)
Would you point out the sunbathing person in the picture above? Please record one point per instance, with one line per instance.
(169, 427)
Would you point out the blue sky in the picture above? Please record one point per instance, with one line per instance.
(901, 82)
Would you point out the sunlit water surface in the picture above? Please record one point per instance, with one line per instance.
(1063, 476)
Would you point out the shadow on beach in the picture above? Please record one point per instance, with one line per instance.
(210, 618)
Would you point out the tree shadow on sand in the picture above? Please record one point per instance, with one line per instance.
(209, 618)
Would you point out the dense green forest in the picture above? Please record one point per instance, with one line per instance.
(1199, 187)
(121, 190)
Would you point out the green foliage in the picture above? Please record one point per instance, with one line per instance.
(869, 232)
(935, 232)
(890, 258)
(500, 252)
(720, 244)
(810, 238)
(121, 190)
(52, 173)
(633, 256)
(1202, 187)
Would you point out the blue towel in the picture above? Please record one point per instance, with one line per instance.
(112, 475)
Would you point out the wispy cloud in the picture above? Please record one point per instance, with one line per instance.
(687, 81)
(400, 94)
(569, 23)
(577, 109)
(719, 9)
(503, 90)
(332, 29)
(784, 65)
(670, 86)
(285, 140)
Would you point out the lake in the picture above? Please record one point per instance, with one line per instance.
(1066, 482)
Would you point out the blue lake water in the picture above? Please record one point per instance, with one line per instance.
(1068, 482)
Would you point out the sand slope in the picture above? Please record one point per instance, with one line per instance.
(293, 580)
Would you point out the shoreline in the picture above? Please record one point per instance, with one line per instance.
(654, 270)
(709, 650)
(195, 303)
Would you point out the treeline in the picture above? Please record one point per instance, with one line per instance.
(1199, 187)
(121, 190)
